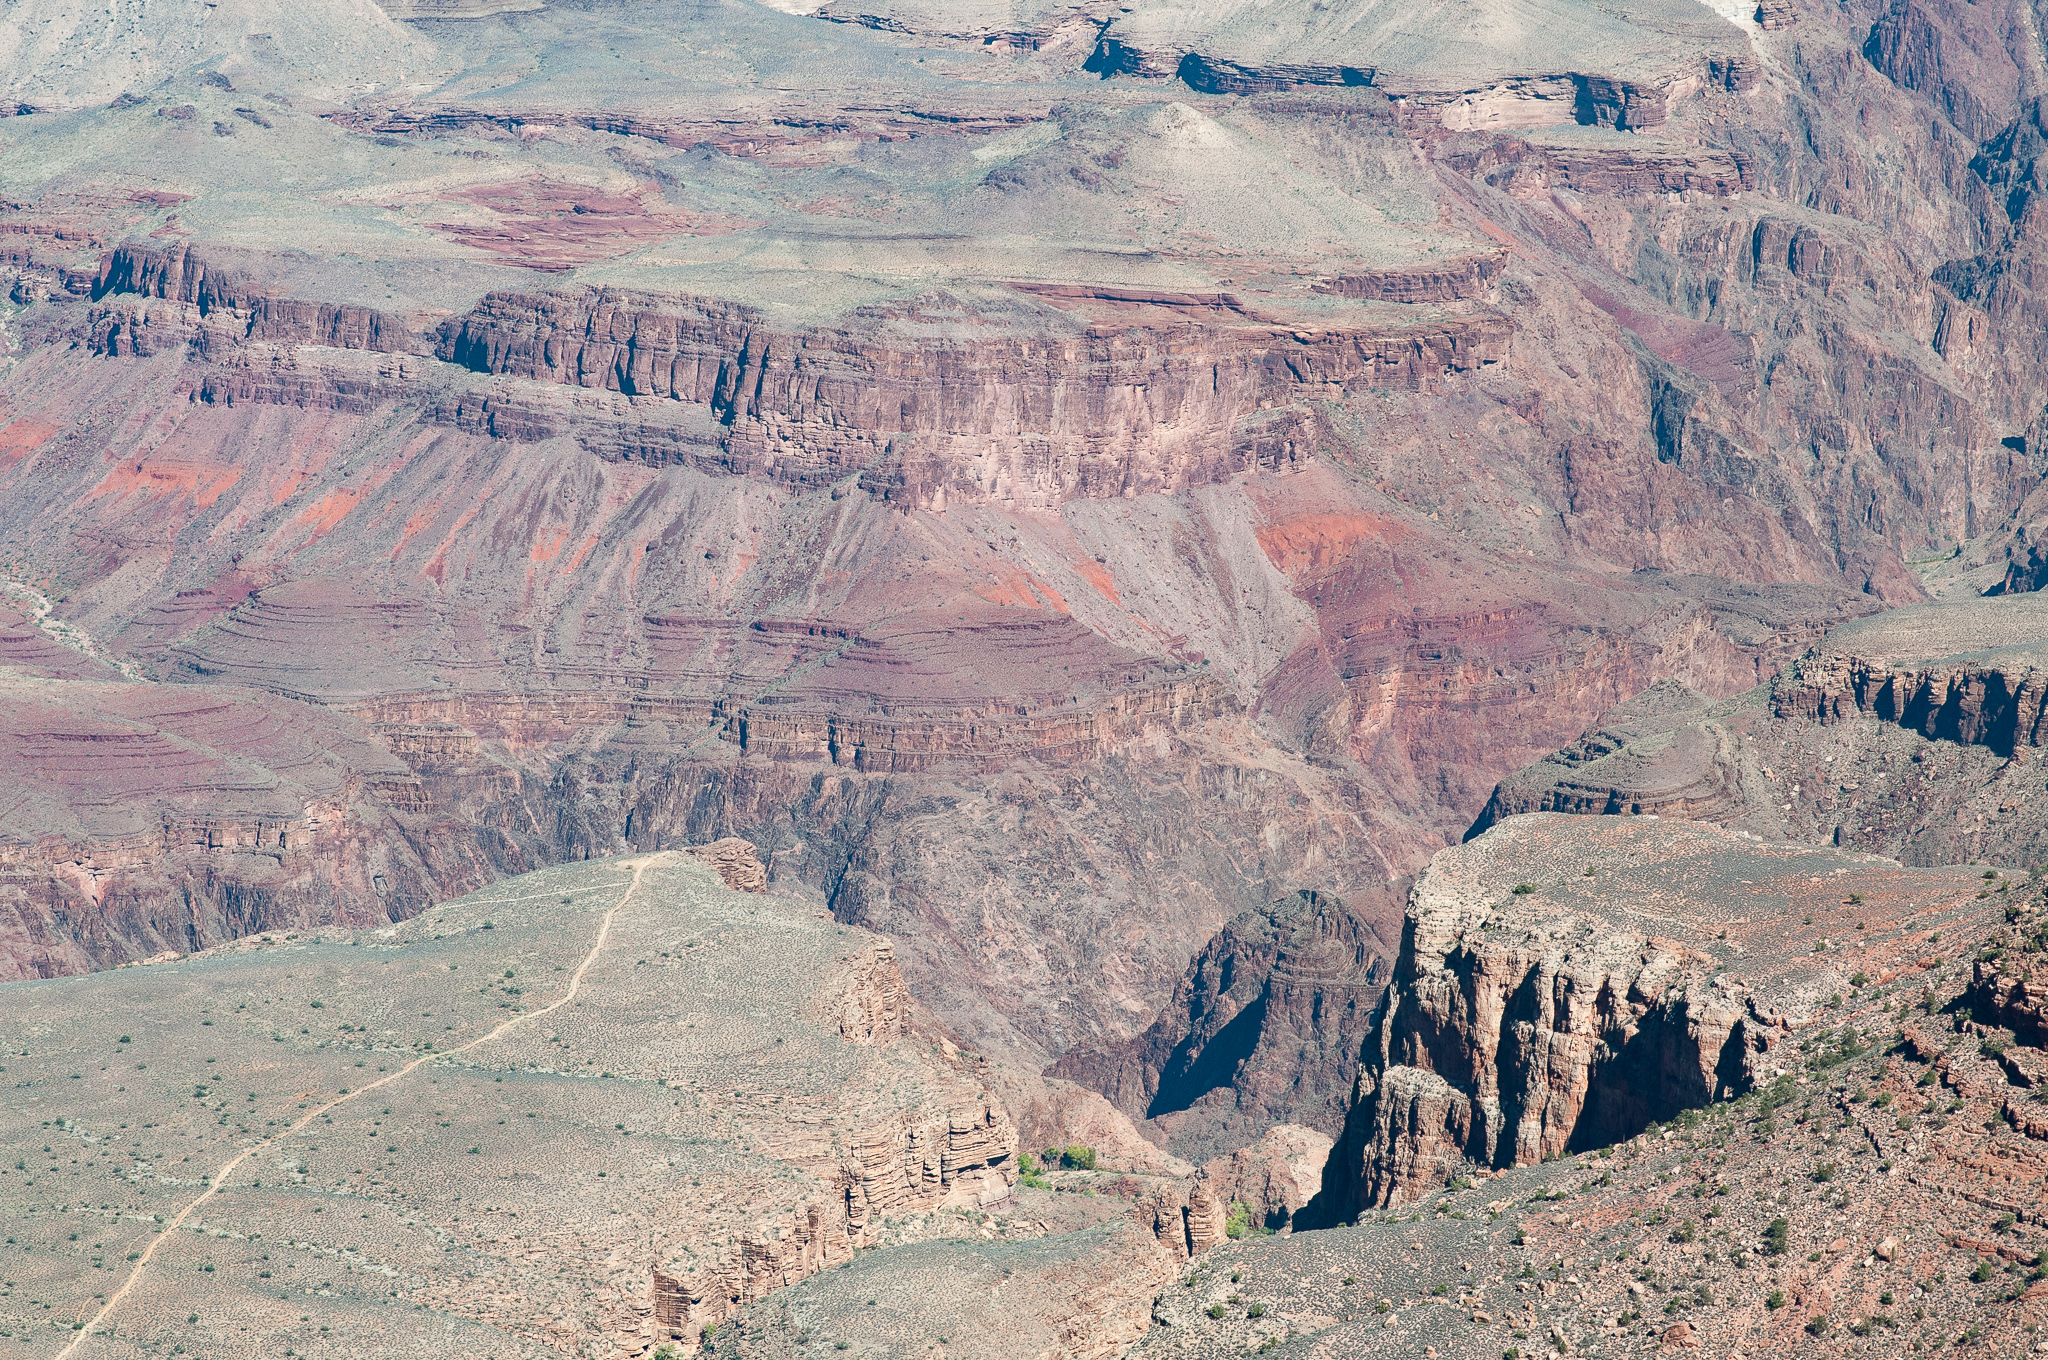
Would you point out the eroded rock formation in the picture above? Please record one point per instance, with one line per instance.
(1564, 982)
(1264, 1029)
(738, 865)
(1913, 734)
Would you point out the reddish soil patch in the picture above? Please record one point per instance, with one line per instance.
(22, 438)
(555, 227)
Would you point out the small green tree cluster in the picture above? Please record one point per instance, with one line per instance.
(1073, 1157)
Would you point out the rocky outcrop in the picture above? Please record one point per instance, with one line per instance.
(1975, 673)
(736, 863)
(1265, 1027)
(1048, 415)
(1564, 982)
(1453, 281)
(875, 1005)
(1272, 1178)
(2009, 985)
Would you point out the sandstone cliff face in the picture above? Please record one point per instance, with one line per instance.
(1973, 674)
(740, 868)
(2010, 991)
(963, 1160)
(180, 274)
(1564, 982)
(925, 408)
(957, 1149)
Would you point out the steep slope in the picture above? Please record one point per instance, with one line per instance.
(1867, 1180)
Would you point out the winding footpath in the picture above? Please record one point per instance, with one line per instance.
(220, 1178)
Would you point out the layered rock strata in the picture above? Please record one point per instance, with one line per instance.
(1564, 982)
(934, 400)
(1264, 1028)
(1914, 734)
(1971, 673)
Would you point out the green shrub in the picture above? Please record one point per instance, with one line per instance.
(1982, 1272)
(1257, 1310)
(1524, 889)
(1818, 1327)
(1074, 1157)
(1216, 1310)
(1775, 1299)
(1777, 1237)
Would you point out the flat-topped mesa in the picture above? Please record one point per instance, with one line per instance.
(1524, 65)
(2009, 979)
(935, 401)
(1564, 982)
(1972, 672)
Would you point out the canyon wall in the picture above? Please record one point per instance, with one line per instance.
(1912, 735)
(634, 479)
(952, 1148)
(1263, 1030)
(1565, 982)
